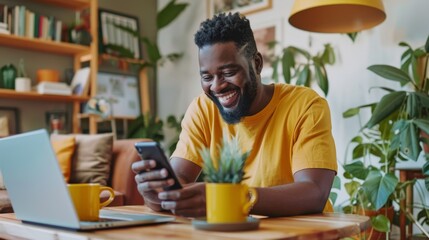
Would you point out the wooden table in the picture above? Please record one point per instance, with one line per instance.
(319, 226)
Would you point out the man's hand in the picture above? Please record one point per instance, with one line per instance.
(187, 202)
(150, 181)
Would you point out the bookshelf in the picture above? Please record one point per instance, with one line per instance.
(79, 53)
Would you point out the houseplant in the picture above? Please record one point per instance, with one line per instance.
(306, 68)
(226, 197)
(392, 134)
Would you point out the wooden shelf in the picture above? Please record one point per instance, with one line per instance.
(87, 115)
(42, 45)
(107, 57)
(73, 4)
(12, 94)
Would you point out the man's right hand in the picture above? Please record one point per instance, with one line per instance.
(150, 181)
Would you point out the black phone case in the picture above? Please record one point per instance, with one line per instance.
(152, 150)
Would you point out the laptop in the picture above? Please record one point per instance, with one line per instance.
(38, 192)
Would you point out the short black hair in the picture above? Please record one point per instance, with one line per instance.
(224, 28)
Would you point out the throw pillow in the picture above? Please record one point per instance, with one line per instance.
(92, 158)
(64, 149)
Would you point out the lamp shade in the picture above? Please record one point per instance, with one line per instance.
(336, 16)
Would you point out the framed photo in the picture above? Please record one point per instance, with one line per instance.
(266, 33)
(122, 91)
(245, 7)
(116, 34)
(9, 121)
(80, 82)
(57, 122)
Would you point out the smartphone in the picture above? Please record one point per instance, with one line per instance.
(152, 150)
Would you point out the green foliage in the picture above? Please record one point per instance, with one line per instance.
(229, 167)
(353, 36)
(174, 123)
(311, 69)
(146, 126)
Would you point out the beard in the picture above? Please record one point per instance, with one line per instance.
(246, 99)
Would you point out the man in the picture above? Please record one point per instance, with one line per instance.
(288, 129)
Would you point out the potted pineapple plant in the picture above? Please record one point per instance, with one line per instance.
(227, 199)
(395, 132)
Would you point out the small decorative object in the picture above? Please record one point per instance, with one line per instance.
(227, 199)
(47, 75)
(8, 74)
(98, 106)
(22, 82)
(56, 122)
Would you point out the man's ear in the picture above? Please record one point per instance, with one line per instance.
(259, 62)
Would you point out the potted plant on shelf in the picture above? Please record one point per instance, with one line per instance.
(394, 132)
(227, 198)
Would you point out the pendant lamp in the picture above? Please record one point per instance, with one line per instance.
(336, 16)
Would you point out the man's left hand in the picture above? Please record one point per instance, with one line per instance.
(190, 201)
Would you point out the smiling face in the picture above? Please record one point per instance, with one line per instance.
(229, 79)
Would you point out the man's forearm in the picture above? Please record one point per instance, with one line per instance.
(291, 199)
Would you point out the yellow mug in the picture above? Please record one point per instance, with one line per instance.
(228, 203)
(86, 199)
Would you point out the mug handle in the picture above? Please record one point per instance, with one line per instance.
(253, 198)
(111, 197)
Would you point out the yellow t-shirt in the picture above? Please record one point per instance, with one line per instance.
(293, 132)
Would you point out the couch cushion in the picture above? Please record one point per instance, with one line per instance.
(91, 161)
(64, 149)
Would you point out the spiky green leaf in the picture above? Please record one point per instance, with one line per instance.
(391, 73)
(388, 104)
(169, 13)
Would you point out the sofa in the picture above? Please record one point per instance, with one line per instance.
(121, 178)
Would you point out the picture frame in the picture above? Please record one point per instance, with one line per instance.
(244, 7)
(10, 123)
(122, 91)
(268, 32)
(57, 121)
(80, 82)
(117, 41)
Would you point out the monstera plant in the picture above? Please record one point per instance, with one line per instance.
(396, 131)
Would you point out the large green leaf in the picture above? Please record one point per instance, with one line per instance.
(381, 223)
(357, 169)
(413, 108)
(424, 98)
(391, 73)
(333, 197)
(152, 50)
(354, 111)
(423, 124)
(336, 183)
(328, 55)
(288, 62)
(303, 52)
(379, 187)
(387, 105)
(303, 76)
(409, 140)
(321, 78)
(169, 13)
(352, 187)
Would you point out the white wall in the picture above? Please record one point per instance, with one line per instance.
(349, 79)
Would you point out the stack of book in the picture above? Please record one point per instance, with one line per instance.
(55, 88)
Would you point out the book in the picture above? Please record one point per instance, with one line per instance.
(56, 88)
